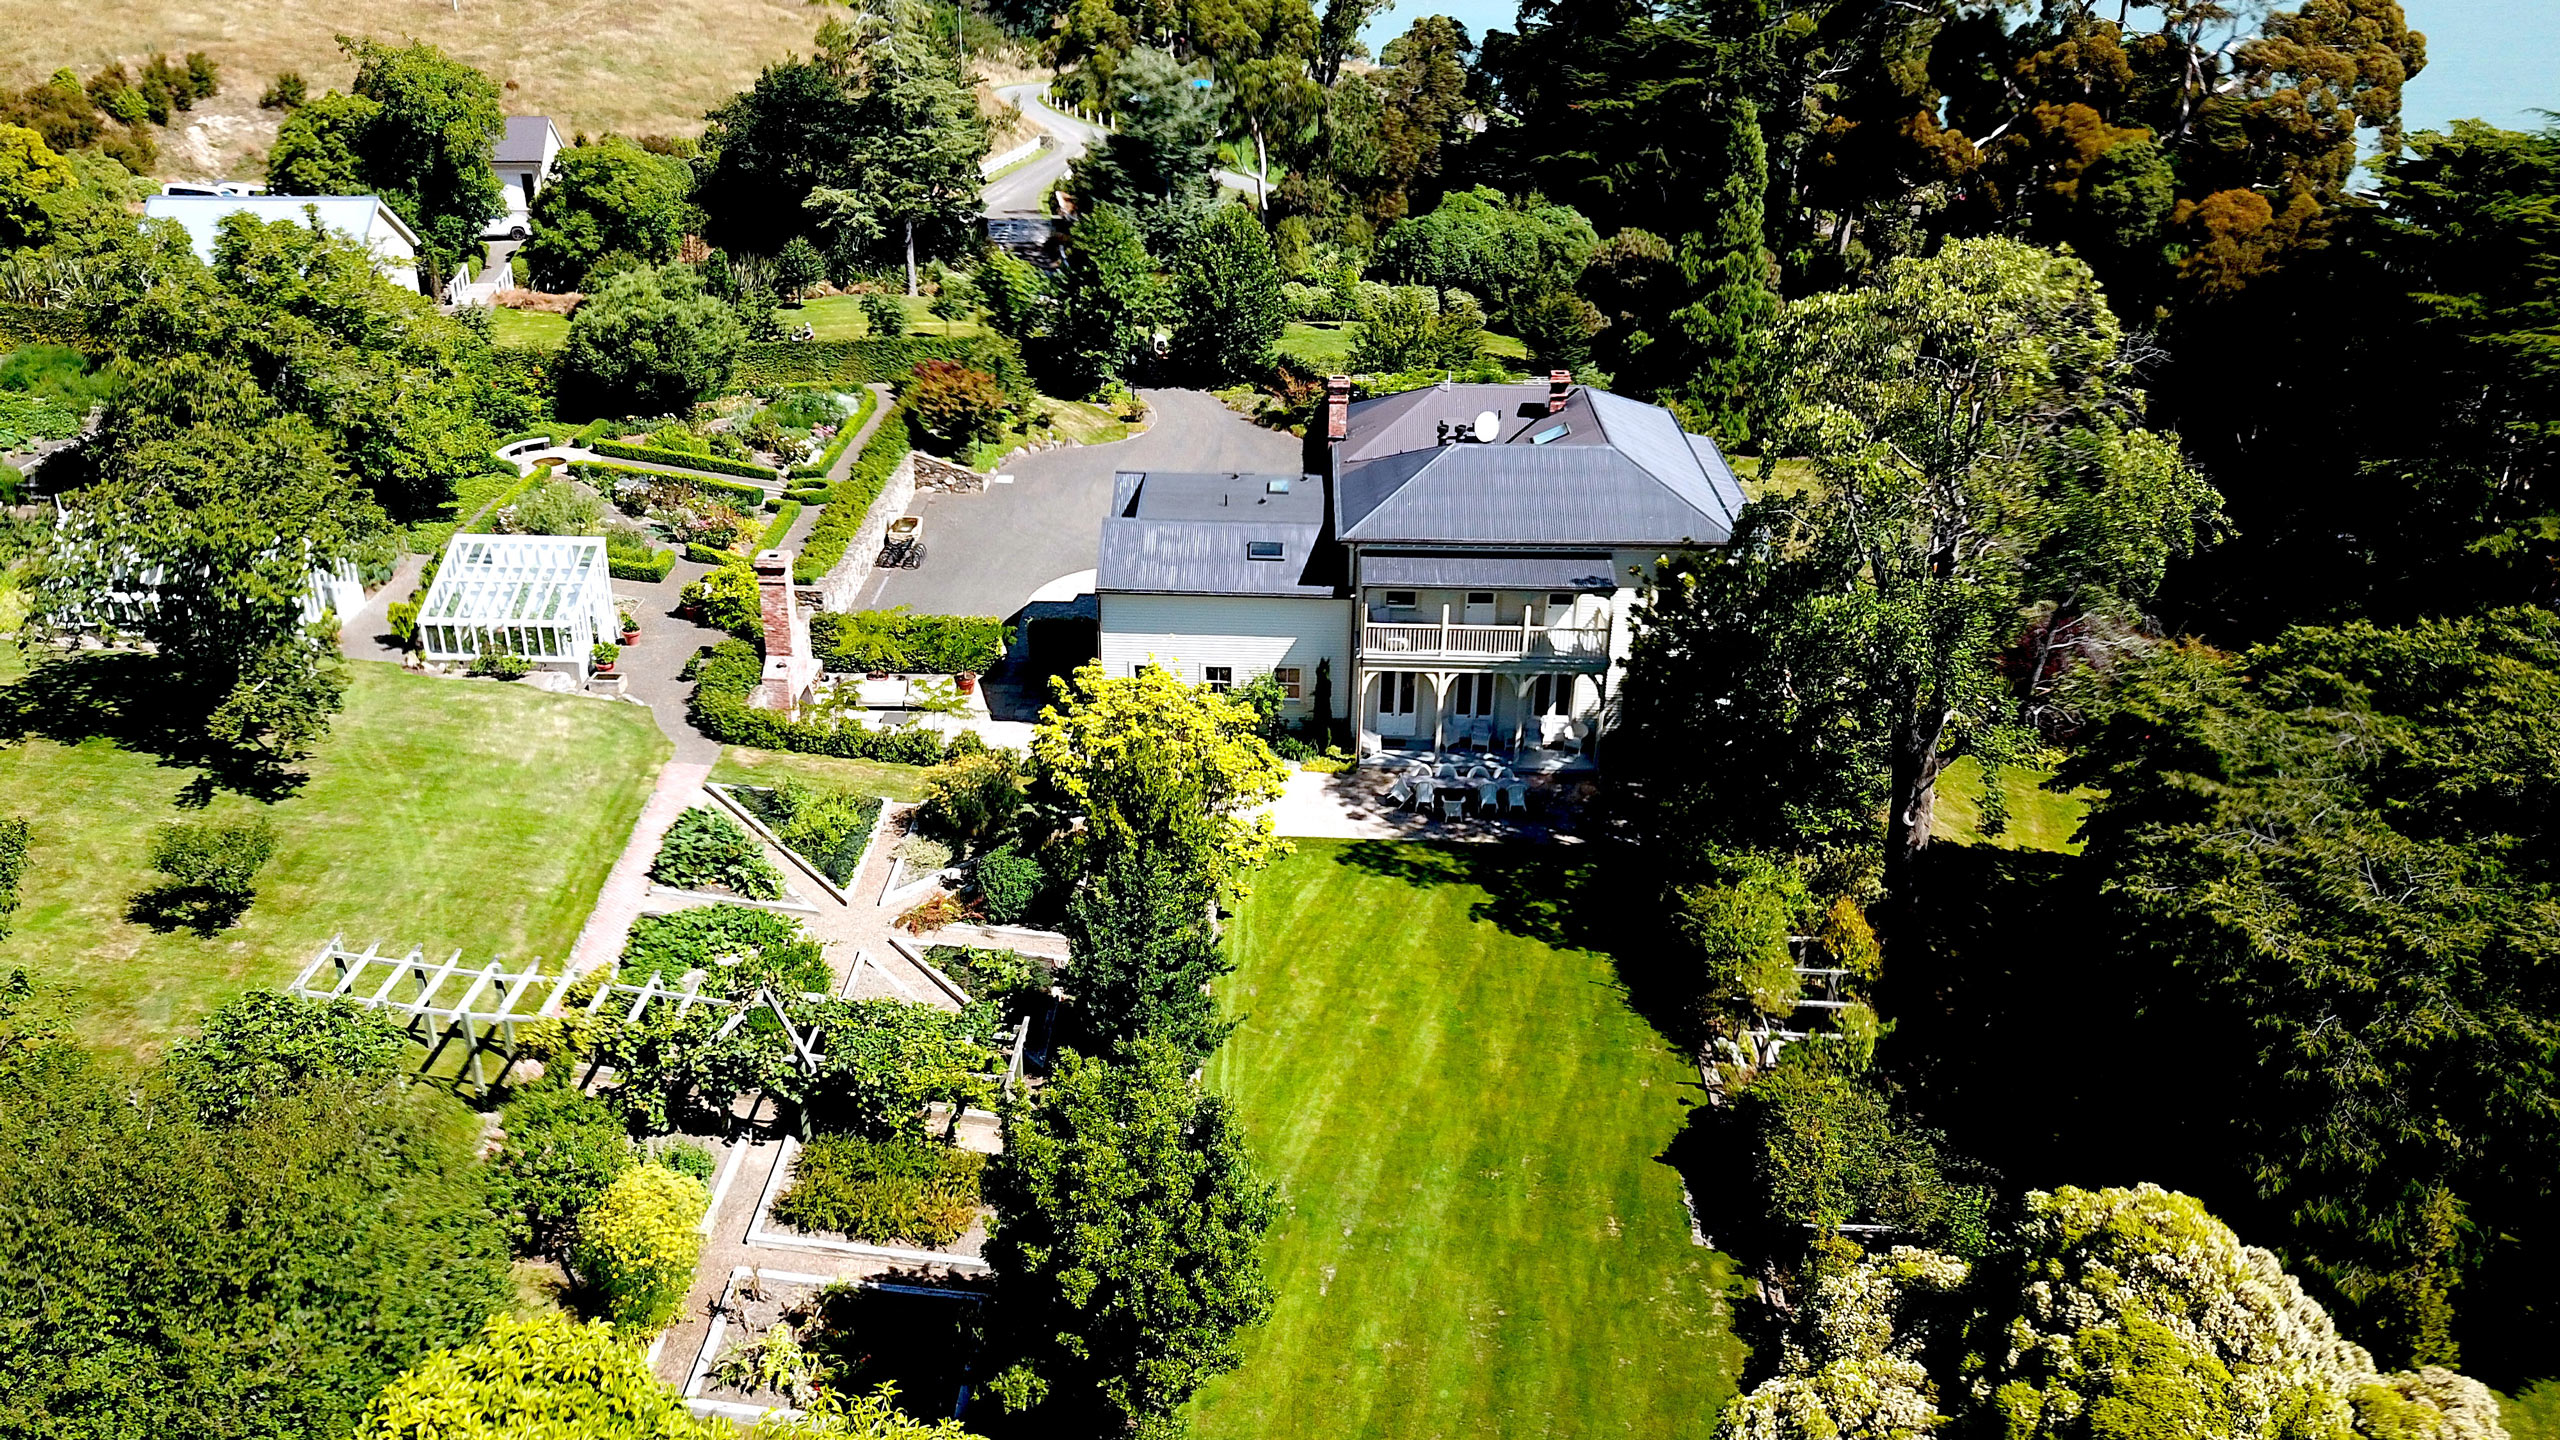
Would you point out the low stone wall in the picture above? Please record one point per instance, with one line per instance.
(933, 474)
(838, 587)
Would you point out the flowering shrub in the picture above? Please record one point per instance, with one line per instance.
(637, 1244)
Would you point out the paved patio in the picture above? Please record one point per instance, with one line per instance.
(1352, 806)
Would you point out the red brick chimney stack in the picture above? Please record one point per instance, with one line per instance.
(790, 661)
(1558, 382)
(1337, 407)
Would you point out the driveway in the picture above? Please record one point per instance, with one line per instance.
(987, 554)
(1026, 191)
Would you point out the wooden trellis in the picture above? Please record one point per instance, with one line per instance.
(484, 1015)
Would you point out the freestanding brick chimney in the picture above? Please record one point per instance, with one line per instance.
(790, 664)
(1337, 407)
(1558, 382)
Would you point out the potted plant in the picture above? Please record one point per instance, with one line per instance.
(630, 628)
(967, 681)
(604, 656)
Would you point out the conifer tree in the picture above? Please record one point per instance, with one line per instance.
(1729, 323)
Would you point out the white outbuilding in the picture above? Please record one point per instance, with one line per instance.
(548, 598)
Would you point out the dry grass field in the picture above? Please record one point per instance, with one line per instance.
(590, 65)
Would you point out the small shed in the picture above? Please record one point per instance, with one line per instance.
(548, 598)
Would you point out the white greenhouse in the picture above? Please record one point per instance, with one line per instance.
(548, 598)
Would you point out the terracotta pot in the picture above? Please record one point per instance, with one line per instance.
(606, 668)
(631, 635)
(968, 681)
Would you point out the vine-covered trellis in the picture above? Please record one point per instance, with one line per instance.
(486, 1008)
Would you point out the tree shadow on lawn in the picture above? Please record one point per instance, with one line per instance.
(131, 699)
(1577, 897)
(200, 908)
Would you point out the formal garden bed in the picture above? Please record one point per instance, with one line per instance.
(829, 830)
(709, 853)
(738, 949)
(902, 1192)
(781, 1337)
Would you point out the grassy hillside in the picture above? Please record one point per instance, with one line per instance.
(458, 815)
(640, 69)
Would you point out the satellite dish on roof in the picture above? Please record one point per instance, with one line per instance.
(1488, 425)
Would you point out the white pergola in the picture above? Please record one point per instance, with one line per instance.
(548, 598)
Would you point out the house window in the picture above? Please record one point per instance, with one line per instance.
(1262, 549)
(1400, 599)
(1290, 678)
(1480, 597)
(1552, 695)
(1221, 678)
(1559, 600)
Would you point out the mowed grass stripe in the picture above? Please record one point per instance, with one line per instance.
(1479, 1240)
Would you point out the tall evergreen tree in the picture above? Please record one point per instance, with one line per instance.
(1728, 326)
(1109, 300)
(1227, 291)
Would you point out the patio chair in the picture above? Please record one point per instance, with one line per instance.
(1453, 805)
(1399, 794)
(1515, 794)
(1480, 735)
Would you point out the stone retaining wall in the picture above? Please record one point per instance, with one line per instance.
(838, 587)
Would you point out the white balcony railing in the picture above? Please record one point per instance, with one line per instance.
(1485, 642)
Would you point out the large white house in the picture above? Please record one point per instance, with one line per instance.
(1462, 574)
(361, 218)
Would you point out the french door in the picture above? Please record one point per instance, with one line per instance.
(1396, 704)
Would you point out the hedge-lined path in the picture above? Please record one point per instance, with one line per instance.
(797, 539)
(366, 635)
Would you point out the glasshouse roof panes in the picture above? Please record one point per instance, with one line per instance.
(518, 577)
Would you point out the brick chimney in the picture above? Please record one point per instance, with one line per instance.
(1337, 407)
(790, 663)
(1558, 382)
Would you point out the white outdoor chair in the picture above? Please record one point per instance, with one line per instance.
(1480, 735)
(1400, 794)
(1515, 794)
(1453, 805)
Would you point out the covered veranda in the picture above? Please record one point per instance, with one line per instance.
(1541, 718)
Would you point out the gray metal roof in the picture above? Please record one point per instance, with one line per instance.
(1186, 534)
(1611, 471)
(524, 140)
(1490, 570)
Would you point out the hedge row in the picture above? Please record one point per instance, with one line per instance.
(783, 515)
(685, 459)
(817, 469)
(729, 674)
(872, 358)
(653, 569)
(32, 325)
(842, 520)
(907, 644)
(745, 495)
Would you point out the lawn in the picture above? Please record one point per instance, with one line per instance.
(742, 766)
(2039, 819)
(1326, 346)
(529, 329)
(459, 815)
(839, 317)
(1479, 1237)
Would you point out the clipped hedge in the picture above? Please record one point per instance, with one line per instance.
(653, 569)
(31, 325)
(906, 643)
(783, 515)
(701, 554)
(846, 429)
(682, 459)
(730, 673)
(836, 528)
(745, 497)
(871, 359)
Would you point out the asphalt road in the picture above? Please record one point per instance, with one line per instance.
(1025, 191)
(986, 554)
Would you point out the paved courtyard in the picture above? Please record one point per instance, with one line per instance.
(988, 554)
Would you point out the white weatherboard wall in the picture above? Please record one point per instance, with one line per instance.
(1249, 633)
